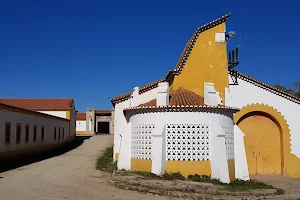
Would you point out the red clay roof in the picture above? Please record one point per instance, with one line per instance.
(80, 116)
(38, 104)
(180, 97)
(264, 85)
(103, 111)
(142, 89)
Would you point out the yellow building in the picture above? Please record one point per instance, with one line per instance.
(268, 116)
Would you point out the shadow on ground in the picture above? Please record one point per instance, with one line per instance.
(19, 161)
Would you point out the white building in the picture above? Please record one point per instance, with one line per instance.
(94, 122)
(34, 125)
(267, 118)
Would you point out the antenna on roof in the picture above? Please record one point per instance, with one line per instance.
(233, 58)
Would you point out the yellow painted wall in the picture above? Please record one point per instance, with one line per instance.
(207, 63)
(80, 132)
(68, 114)
(262, 144)
(189, 167)
(231, 169)
(290, 163)
(116, 156)
(141, 165)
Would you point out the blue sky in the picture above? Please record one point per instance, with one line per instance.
(92, 50)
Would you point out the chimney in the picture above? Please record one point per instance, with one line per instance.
(211, 96)
(162, 94)
(135, 99)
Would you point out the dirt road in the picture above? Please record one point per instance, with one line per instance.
(71, 175)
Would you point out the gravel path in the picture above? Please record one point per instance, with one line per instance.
(291, 186)
(71, 175)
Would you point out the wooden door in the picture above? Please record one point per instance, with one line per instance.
(262, 144)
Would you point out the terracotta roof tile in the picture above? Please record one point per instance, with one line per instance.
(80, 116)
(142, 89)
(180, 97)
(264, 85)
(103, 111)
(38, 104)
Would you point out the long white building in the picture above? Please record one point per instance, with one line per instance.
(33, 125)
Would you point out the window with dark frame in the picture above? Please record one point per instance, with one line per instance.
(42, 134)
(34, 133)
(54, 133)
(27, 133)
(59, 133)
(7, 132)
(63, 133)
(18, 133)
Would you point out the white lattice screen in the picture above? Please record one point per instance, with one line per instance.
(229, 141)
(188, 142)
(141, 141)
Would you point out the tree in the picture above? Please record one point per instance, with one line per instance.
(293, 91)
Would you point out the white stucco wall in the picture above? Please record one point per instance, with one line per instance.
(119, 118)
(124, 161)
(172, 125)
(241, 166)
(81, 125)
(246, 93)
(19, 117)
(62, 114)
(182, 117)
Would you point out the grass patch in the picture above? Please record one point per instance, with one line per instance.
(239, 185)
(173, 176)
(165, 176)
(145, 174)
(105, 162)
(236, 185)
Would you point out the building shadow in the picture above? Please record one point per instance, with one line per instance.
(19, 161)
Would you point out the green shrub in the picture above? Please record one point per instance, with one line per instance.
(146, 174)
(234, 185)
(203, 178)
(173, 176)
(105, 161)
(248, 185)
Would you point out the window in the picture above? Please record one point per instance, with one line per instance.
(7, 132)
(42, 133)
(54, 133)
(34, 133)
(18, 133)
(59, 133)
(63, 133)
(27, 133)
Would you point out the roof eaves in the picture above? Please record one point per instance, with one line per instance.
(18, 109)
(180, 64)
(142, 90)
(265, 86)
(189, 46)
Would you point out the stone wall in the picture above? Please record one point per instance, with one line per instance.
(90, 121)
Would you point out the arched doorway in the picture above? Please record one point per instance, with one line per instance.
(262, 143)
